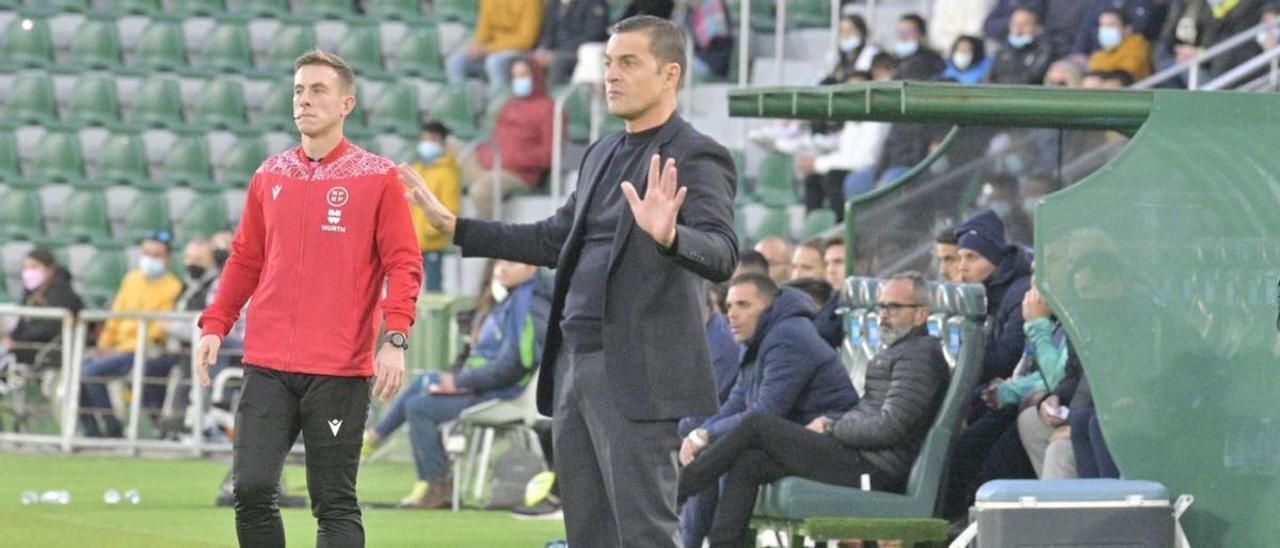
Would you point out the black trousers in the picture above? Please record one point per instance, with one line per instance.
(970, 453)
(825, 190)
(330, 413)
(761, 449)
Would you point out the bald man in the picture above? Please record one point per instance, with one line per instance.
(777, 250)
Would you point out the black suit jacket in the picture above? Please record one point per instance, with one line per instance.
(656, 354)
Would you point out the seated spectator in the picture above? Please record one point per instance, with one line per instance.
(523, 138)
(1061, 21)
(854, 52)
(786, 371)
(1119, 47)
(946, 256)
(777, 250)
(565, 26)
(435, 164)
(828, 320)
(750, 260)
(710, 25)
(656, 8)
(968, 63)
(1042, 428)
(1194, 26)
(45, 284)
(502, 361)
(505, 30)
(818, 290)
(806, 262)
(149, 288)
(955, 18)
(1140, 15)
(880, 435)
(857, 149)
(1027, 55)
(986, 257)
(916, 58)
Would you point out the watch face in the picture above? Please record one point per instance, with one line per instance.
(398, 339)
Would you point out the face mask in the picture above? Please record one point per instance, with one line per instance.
(962, 60)
(195, 271)
(499, 291)
(220, 256)
(1020, 41)
(905, 49)
(151, 267)
(522, 87)
(851, 43)
(33, 278)
(1109, 37)
(429, 151)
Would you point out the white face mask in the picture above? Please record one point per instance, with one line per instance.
(499, 291)
(962, 60)
(851, 43)
(151, 267)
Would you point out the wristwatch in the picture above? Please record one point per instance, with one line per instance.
(398, 340)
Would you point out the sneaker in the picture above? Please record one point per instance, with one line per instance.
(548, 509)
(417, 494)
(539, 488)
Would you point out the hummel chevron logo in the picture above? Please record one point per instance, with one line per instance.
(334, 425)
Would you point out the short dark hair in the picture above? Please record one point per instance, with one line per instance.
(816, 288)
(858, 23)
(331, 60)
(1120, 14)
(884, 61)
(947, 236)
(838, 239)
(1123, 77)
(750, 260)
(763, 283)
(1035, 14)
(666, 39)
(975, 44)
(43, 256)
(915, 19)
(816, 244)
(437, 127)
(162, 236)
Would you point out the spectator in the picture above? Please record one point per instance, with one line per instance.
(986, 257)
(818, 290)
(854, 51)
(1139, 13)
(879, 436)
(1119, 47)
(955, 18)
(857, 149)
(997, 24)
(905, 146)
(1043, 427)
(506, 29)
(968, 62)
(709, 23)
(777, 250)
(1267, 38)
(828, 320)
(565, 26)
(1063, 74)
(883, 67)
(785, 372)
(1027, 57)
(750, 260)
(656, 8)
(523, 137)
(916, 58)
(806, 262)
(149, 288)
(435, 164)
(221, 242)
(45, 284)
(1000, 194)
(946, 256)
(1194, 26)
(1061, 21)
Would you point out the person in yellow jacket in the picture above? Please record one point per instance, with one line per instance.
(1119, 48)
(505, 29)
(149, 288)
(435, 164)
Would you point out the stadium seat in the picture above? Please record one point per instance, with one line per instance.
(276, 107)
(221, 105)
(135, 7)
(777, 222)
(9, 167)
(328, 8)
(32, 100)
(26, 42)
(817, 222)
(361, 47)
(148, 212)
(236, 167)
(775, 180)
(203, 7)
(157, 103)
(95, 101)
(21, 216)
(187, 162)
(493, 107)
(396, 110)
(96, 45)
(227, 49)
(407, 10)
(122, 160)
(577, 112)
(269, 8)
(460, 11)
(67, 5)
(58, 158)
(100, 278)
(206, 216)
(84, 216)
(161, 47)
(289, 42)
(452, 106)
(418, 54)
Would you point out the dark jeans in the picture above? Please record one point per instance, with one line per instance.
(330, 412)
(761, 449)
(970, 454)
(825, 190)
(95, 401)
(425, 412)
(1093, 459)
(432, 274)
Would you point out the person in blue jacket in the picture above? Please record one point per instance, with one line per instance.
(968, 62)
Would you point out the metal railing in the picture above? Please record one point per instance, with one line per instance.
(1192, 67)
(66, 343)
(558, 135)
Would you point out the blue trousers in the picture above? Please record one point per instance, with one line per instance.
(95, 401)
(432, 273)
(1093, 459)
(424, 412)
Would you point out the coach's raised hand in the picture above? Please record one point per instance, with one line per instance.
(437, 214)
(656, 213)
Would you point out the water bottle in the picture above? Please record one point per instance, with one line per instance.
(133, 496)
(55, 497)
(111, 496)
(30, 497)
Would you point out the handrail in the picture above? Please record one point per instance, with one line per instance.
(495, 174)
(1192, 66)
(1243, 70)
(40, 312)
(557, 137)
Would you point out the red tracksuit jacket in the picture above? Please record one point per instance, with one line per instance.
(315, 243)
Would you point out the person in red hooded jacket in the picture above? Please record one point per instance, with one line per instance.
(522, 135)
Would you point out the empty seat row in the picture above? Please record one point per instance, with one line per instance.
(391, 9)
(85, 217)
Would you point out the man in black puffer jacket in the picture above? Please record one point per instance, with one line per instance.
(879, 436)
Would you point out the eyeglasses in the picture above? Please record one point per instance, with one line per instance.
(894, 307)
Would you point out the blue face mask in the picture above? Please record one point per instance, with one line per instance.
(522, 87)
(151, 267)
(1019, 41)
(429, 151)
(1109, 37)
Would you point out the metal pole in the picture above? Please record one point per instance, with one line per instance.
(779, 40)
(597, 112)
(1271, 78)
(557, 142)
(871, 19)
(496, 180)
(135, 405)
(72, 376)
(68, 351)
(197, 394)
(1193, 77)
(744, 43)
(835, 29)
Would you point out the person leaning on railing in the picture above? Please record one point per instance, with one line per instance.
(45, 283)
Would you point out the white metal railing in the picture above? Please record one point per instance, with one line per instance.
(1268, 59)
(68, 322)
(1193, 66)
(558, 135)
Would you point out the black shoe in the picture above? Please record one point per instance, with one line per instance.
(549, 508)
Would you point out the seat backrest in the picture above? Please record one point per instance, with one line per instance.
(96, 45)
(95, 100)
(394, 9)
(122, 159)
(101, 277)
(361, 47)
(206, 215)
(222, 104)
(289, 42)
(418, 54)
(58, 157)
(31, 99)
(157, 102)
(149, 212)
(395, 109)
(775, 173)
(968, 303)
(21, 214)
(236, 166)
(28, 41)
(187, 161)
(817, 222)
(84, 216)
(161, 46)
(227, 48)
(462, 11)
(9, 166)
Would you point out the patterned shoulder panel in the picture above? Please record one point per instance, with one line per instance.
(357, 162)
(285, 164)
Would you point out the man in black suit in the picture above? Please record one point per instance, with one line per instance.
(624, 358)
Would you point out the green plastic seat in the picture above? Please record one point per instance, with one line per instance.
(149, 212)
(95, 101)
(84, 216)
(161, 46)
(356, 120)
(288, 43)
(122, 160)
(418, 54)
(10, 169)
(26, 43)
(577, 112)
(775, 180)
(329, 8)
(459, 11)
(406, 10)
(96, 45)
(187, 163)
(32, 100)
(276, 107)
(361, 48)
(21, 216)
(269, 8)
(157, 103)
(206, 216)
(777, 222)
(227, 49)
(201, 7)
(221, 105)
(396, 110)
(494, 107)
(58, 158)
(452, 105)
(817, 222)
(135, 7)
(67, 5)
(100, 278)
(237, 165)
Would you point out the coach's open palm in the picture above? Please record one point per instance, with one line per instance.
(437, 214)
(656, 213)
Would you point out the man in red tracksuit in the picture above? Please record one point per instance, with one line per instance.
(324, 225)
